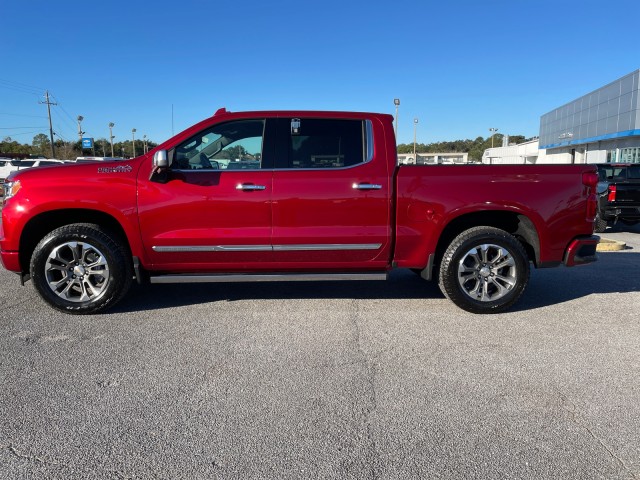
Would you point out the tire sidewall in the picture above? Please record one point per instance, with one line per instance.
(465, 242)
(90, 236)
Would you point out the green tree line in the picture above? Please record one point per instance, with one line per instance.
(475, 148)
(41, 147)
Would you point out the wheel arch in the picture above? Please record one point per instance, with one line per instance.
(517, 224)
(44, 223)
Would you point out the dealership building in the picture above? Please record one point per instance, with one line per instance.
(599, 127)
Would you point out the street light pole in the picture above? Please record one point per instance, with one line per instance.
(415, 131)
(493, 131)
(396, 102)
(80, 132)
(133, 139)
(111, 137)
(144, 144)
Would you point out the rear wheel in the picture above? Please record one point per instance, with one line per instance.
(81, 268)
(484, 270)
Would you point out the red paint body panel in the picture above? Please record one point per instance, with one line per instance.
(203, 209)
(398, 224)
(74, 187)
(323, 207)
(552, 197)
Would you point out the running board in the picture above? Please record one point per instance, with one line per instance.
(261, 277)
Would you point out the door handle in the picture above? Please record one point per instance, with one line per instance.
(249, 187)
(367, 186)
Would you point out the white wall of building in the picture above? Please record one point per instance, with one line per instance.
(523, 153)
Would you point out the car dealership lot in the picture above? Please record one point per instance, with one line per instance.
(328, 380)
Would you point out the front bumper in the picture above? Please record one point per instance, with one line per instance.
(10, 261)
(581, 251)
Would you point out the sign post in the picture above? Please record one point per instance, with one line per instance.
(88, 144)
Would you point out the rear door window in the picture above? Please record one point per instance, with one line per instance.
(322, 143)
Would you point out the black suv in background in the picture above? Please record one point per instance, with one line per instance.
(618, 194)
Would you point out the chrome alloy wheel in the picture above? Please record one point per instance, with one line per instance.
(77, 272)
(487, 272)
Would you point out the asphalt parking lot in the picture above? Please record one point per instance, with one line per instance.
(328, 380)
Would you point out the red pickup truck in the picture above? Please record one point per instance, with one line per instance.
(272, 196)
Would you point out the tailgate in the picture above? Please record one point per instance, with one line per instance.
(628, 193)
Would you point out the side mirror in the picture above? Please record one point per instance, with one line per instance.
(160, 171)
(160, 159)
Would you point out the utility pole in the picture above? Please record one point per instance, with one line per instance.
(46, 96)
(133, 141)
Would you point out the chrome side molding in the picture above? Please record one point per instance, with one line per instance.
(262, 277)
(267, 248)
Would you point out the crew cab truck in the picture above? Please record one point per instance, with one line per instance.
(291, 195)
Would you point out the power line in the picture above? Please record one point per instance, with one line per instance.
(64, 110)
(25, 133)
(63, 138)
(21, 115)
(62, 119)
(20, 87)
(19, 128)
(23, 85)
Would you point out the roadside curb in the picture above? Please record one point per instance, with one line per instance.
(608, 245)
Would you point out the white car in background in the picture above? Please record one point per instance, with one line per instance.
(8, 165)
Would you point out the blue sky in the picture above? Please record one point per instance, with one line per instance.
(460, 67)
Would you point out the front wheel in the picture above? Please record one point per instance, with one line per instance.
(484, 270)
(81, 268)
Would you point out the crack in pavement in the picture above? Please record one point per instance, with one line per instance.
(573, 412)
(370, 370)
(32, 458)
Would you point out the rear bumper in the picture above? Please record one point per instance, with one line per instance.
(581, 251)
(625, 213)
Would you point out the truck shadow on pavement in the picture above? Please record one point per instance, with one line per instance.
(615, 272)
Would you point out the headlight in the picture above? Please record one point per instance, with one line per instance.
(10, 189)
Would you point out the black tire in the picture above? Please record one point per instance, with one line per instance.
(81, 268)
(490, 280)
(600, 224)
